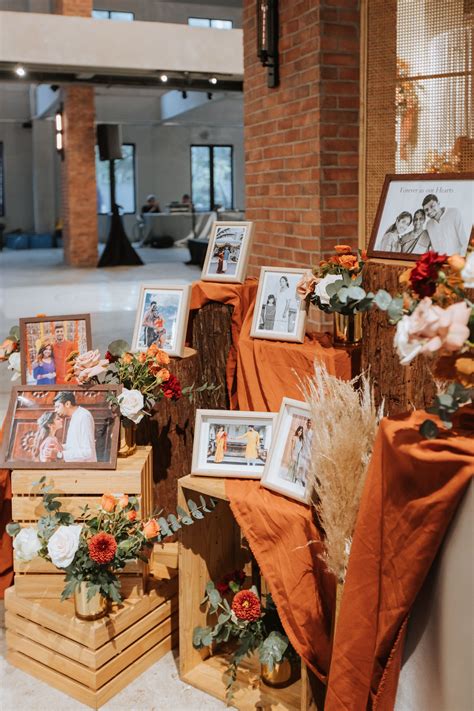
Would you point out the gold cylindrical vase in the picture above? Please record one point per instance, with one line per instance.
(282, 674)
(347, 330)
(89, 609)
(128, 440)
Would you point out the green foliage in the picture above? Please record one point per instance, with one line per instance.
(14, 333)
(273, 649)
(118, 348)
(445, 406)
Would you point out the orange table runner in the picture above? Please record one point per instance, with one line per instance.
(412, 490)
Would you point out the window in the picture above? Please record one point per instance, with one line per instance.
(209, 22)
(212, 179)
(124, 181)
(112, 15)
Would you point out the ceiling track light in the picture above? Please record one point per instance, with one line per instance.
(213, 81)
(20, 71)
(164, 78)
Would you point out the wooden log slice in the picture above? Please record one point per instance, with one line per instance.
(212, 338)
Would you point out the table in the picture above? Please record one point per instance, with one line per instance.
(178, 225)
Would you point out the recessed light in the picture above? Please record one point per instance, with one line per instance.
(164, 78)
(213, 80)
(20, 71)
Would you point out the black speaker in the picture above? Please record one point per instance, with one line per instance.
(109, 140)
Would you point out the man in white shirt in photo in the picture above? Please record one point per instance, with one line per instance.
(80, 439)
(445, 227)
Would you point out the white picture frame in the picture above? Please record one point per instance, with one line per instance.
(228, 252)
(286, 467)
(172, 311)
(232, 448)
(286, 319)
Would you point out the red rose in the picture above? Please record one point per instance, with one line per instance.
(246, 606)
(112, 359)
(102, 548)
(424, 275)
(172, 388)
(237, 576)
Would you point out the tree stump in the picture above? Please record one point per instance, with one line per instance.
(170, 431)
(402, 387)
(212, 338)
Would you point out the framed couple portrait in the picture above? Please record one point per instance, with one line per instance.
(286, 469)
(232, 443)
(61, 427)
(421, 213)
(49, 341)
(228, 252)
(162, 318)
(279, 312)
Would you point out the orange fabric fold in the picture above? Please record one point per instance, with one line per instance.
(240, 297)
(6, 548)
(412, 490)
(286, 545)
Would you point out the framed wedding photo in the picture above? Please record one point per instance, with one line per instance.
(422, 212)
(162, 318)
(279, 312)
(61, 427)
(48, 341)
(232, 443)
(228, 252)
(286, 469)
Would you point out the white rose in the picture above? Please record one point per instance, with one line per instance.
(320, 288)
(131, 404)
(63, 545)
(14, 363)
(467, 272)
(26, 544)
(407, 348)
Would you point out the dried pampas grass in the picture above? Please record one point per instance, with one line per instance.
(345, 421)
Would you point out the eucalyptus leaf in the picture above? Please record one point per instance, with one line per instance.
(165, 530)
(343, 294)
(273, 648)
(334, 287)
(13, 528)
(356, 293)
(382, 299)
(118, 348)
(429, 429)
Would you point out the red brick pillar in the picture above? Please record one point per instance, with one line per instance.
(78, 179)
(301, 138)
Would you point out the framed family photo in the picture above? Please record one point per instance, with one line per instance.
(162, 318)
(423, 212)
(228, 252)
(279, 312)
(49, 340)
(286, 470)
(232, 443)
(61, 427)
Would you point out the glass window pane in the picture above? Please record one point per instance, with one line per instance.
(124, 181)
(100, 14)
(201, 177)
(221, 24)
(199, 22)
(223, 177)
(122, 16)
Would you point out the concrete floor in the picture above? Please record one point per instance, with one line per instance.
(36, 281)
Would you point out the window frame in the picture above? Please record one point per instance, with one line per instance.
(123, 12)
(134, 155)
(211, 20)
(211, 147)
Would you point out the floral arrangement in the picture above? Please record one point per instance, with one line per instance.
(10, 351)
(96, 549)
(241, 616)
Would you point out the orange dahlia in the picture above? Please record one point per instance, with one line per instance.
(102, 548)
(246, 606)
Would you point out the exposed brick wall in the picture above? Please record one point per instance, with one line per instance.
(301, 139)
(79, 8)
(78, 180)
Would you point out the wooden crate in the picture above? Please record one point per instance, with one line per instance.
(206, 555)
(164, 561)
(90, 661)
(133, 476)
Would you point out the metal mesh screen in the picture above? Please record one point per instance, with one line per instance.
(419, 91)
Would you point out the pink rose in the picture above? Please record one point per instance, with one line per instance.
(89, 365)
(452, 330)
(306, 284)
(424, 320)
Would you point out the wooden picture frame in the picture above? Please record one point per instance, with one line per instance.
(234, 447)
(288, 309)
(286, 467)
(233, 260)
(408, 223)
(77, 336)
(22, 430)
(170, 334)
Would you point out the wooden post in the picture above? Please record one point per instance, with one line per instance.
(212, 338)
(402, 387)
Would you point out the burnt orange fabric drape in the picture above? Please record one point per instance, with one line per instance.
(412, 490)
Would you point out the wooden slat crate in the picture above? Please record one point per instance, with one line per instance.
(133, 476)
(91, 661)
(164, 561)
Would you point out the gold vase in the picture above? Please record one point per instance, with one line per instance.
(92, 609)
(347, 329)
(128, 440)
(282, 674)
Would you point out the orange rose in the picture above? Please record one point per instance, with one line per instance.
(349, 261)
(8, 347)
(343, 249)
(142, 357)
(123, 501)
(151, 352)
(108, 502)
(151, 529)
(456, 262)
(163, 375)
(127, 358)
(162, 358)
(131, 515)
